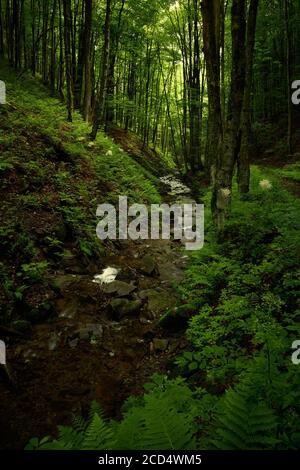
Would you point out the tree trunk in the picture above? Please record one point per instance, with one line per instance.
(68, 55)
(101, 97)
(195, 97)
(221, 199)
(1, 32)
(53, 50)
(87, 40)
(110, 111)
(223, 139)
(244, 155)
(288, 72)
(211, 14)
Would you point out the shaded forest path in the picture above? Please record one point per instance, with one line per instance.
(106, 341)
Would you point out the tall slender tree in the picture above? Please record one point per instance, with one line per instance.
(101, 95)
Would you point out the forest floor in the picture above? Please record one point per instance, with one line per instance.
(71, 340)
(88, 352)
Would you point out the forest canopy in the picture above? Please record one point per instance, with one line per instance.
(189, 78)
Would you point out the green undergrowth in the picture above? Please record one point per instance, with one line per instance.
(244, 290)
(236, 387)
(52, 180)
(291, 171)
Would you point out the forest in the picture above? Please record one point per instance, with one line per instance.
(131, 343)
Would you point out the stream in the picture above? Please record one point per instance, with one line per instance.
(106, 341)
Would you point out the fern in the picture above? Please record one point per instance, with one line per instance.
(163, 420)
(98, 435)
(93, 434)
(129, 431)
(243, 423)
(166, 428)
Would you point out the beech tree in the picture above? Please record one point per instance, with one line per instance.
(189, 78)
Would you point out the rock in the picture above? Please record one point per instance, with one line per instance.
(71, 286)
(67, 307)
(63, 282)
(53, 342)
(86, 289)
(122, 289)
(148, 265)
(74, 343)
(125, 307)
(169, 272)
(159, 345)
(159, 300)
(91, 331)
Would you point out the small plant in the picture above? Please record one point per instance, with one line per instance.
(34, 272)
(163, 419)
(190, 361)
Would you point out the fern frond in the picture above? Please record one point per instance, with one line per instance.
(98, 435)
(244, 424)
(130, 430)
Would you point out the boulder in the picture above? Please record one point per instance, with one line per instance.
(124, 307)
(120, 288)
(159, 345)
(63, 282)
(170, 273)
(148, 265)
(53, 342)
(159, 300)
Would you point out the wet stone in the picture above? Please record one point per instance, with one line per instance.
(120, 288)
(159, 345)
(124, 307)
(91, 331)
(148, 265)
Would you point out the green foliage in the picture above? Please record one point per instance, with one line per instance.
(165, 419)
(93, 434)
(291, 171)
(34, 272)
(5, 165)
(244, 424)
(244, 286)
(53, 180)
(245, 283)
(190, 361)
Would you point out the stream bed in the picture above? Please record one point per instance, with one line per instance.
(105, 342)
